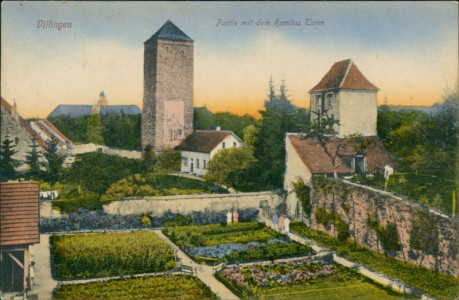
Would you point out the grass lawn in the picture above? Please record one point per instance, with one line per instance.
(109, 254)
(161, 287)
(438, 285)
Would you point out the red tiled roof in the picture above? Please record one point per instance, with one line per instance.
(57, 131)
(345, 75)
(318, 162)
(203, 141)
(19, 211)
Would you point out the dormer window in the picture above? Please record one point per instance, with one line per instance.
(330, 97)
(359, 164)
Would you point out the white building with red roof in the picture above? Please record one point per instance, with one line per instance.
(199, 148)
(349, 97)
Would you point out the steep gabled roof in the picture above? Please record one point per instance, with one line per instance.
(344, 75)
(204, 141)
(169, 32)
(25, 125)
(318, 162)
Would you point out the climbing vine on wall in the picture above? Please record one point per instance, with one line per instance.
(388, 235)
(303, 194)
(424, 233)
(324, 217)
(326, 185)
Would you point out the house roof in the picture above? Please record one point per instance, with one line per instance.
(34, 135)
(169, 31)
(56, 131)
(344, 75)
(313, 155)
(119, 109)
(204, 141)
(19, 210)
(85, 110)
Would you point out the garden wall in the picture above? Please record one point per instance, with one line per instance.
(264, 201)
(85, 148)
(374, 217)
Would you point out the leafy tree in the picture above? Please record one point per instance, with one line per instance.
(249, 136)
(226, 162)
(7, 163)
(279, 117)
(33, 160)
(121, 130)
(96, 171)
(168, 160)
(94, 130)
(75, 128)
(149, 160)
(203, 118)
(55, 160)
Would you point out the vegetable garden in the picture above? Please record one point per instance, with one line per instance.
(233, 242)
(162, 287)
(100, 255)
(439, 285)
(310, 278)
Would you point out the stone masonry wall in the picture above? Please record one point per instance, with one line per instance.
(357, 202)
(168, 76)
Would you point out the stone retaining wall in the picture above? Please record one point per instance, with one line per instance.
(264, 201)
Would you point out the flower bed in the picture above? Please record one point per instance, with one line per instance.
(99, 255)
(233, 242)
(163, 287)
(310, 278)
(439, 285)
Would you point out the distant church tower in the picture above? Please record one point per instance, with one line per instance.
(167, 116)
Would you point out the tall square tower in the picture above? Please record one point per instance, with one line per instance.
(167, 116)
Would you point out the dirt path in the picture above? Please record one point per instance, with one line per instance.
(43, 279)
(205, 273)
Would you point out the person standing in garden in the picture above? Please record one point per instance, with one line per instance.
(286, 225)
(235, 217)
(275, 220)
(229, 215)
(280, 225)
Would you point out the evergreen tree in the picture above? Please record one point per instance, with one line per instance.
(94, 130)
(279, 117)
(55, 160)
(7, 163)
(33, 160)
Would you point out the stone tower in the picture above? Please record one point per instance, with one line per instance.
(167, 116)
(349, 97)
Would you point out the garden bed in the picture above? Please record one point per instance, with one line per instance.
(109, 254)
(439, 285)
(246, 241)
(161, 287)
(310, 278)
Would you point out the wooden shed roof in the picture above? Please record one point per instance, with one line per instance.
(19, 213)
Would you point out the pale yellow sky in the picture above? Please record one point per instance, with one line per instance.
(408, 50)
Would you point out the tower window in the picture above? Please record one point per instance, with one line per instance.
(329, 100)
(319, 103)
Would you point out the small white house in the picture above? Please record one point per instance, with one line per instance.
(199, 148)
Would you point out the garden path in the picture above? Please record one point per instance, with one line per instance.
(43, 279)
(203, 272)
